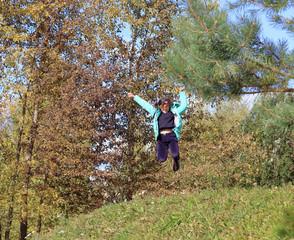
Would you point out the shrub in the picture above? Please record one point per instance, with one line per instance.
(271, 122)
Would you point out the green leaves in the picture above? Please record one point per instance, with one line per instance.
(271, 122)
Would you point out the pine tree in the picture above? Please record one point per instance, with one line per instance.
(220, 58)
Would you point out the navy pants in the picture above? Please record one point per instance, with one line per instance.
(165, 142)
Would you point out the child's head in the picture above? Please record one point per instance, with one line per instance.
(164, 103)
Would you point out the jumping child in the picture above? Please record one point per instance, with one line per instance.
(167, 125)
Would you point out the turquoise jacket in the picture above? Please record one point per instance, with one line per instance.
(177, 109)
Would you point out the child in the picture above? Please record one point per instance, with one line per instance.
(167, 125)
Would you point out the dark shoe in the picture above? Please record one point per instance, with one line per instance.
(176, 166)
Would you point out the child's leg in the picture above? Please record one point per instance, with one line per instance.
(174, 150)
(161, 150)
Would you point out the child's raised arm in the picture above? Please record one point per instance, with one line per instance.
(145, 105)
(183, 100)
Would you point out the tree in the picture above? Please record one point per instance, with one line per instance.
(219, 58)
(57, 82)
(68, 69)
(148, 24)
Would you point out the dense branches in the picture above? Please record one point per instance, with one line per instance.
(58, 75)
(66, 69)
(219, 58)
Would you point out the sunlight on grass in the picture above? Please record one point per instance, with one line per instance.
(211, 214)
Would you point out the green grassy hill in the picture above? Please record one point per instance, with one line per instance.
(256, 213)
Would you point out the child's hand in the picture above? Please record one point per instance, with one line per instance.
(130, 95)
(181, 89)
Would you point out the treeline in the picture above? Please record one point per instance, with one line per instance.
(65, 71)
(66, 67)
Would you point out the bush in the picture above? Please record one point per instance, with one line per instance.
(271, 122)
(214, 153)
(230, 146)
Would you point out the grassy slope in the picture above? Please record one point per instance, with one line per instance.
(211, 214)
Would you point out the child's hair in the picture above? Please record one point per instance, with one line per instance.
(162, 100)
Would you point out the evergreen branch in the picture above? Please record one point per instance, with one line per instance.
(248, 38)
(175, 72)
(262, 86)
(260, 79)
(214, 26)
(282, 111)
(220, 66)
(197, 58)
(199, 32)
(206, 79)
(181, 39)
(235, 44)
(198, 75)
(282, 90)
(271, 90)
(264, 4)
(274, 70)
(202, 60)
(267, 85)
(187, 48)
(190, 29)
(254, 2)
(270, 112)
(182, 65)
(286, 20)
(246, 41)
(273, 53)
(191, 8)
(256, 92)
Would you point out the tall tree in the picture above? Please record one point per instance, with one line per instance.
(61, 81)
(147, 25)
(220, 58)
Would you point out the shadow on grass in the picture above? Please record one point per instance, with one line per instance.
(285, 230)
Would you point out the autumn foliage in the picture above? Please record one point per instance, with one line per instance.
(65, 71)
(71, 141)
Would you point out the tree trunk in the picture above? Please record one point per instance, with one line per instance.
(13, 180)
(27, 161)
(9, 219)
(39, 225)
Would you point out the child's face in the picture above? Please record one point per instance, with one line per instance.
(164, 107)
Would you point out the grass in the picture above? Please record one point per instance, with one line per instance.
(256, 213)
